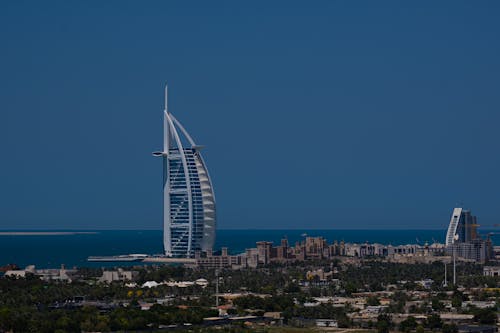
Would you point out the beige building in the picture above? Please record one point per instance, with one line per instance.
(118, 275)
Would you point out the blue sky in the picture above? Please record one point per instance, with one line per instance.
(324, 114)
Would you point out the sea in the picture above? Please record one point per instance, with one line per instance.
(72, 248)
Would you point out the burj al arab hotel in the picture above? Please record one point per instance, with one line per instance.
(188, 196)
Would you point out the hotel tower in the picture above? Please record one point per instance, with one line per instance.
(188, 196)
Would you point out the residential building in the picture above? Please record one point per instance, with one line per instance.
(223, 261)
(264, 252)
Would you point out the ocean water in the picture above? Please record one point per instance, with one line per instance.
(50, 251)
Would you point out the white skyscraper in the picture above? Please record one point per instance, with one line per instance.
(188, 197)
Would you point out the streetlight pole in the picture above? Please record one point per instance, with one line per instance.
(445, 284)
(455, 238)
(454, 266)
(217, 288)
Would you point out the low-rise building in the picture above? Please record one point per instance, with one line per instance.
(119, 275)
(52, 274)
(208, 260)
(326, 323)
(491, 270)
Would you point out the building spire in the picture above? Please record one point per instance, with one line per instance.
(166, 97)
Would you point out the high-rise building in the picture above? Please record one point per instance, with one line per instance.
(264, 251)
(188, 197)
(463, 240)
(462, 227)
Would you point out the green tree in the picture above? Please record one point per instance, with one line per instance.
(384, 323)
(372, 301)
(486, 316)
(450, 328)
(383, 326)
(434, 322)
(437, 305)
(408, 324)
(456, 302)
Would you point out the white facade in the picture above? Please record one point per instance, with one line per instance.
(453, 226)
(491, 270)
(188, 198)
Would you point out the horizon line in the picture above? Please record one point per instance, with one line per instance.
(221, 229)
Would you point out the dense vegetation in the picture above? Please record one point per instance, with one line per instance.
(31, 305)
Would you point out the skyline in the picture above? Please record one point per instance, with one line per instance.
(334, 116)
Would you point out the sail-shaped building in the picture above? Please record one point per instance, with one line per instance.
(462, 227)
(188, 197)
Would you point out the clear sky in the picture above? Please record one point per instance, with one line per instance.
(315, 114)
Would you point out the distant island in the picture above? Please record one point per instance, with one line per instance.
(46, 233)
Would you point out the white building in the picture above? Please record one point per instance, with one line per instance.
(326, 323)
(48, 274)
(188, 197)
(491, 270)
